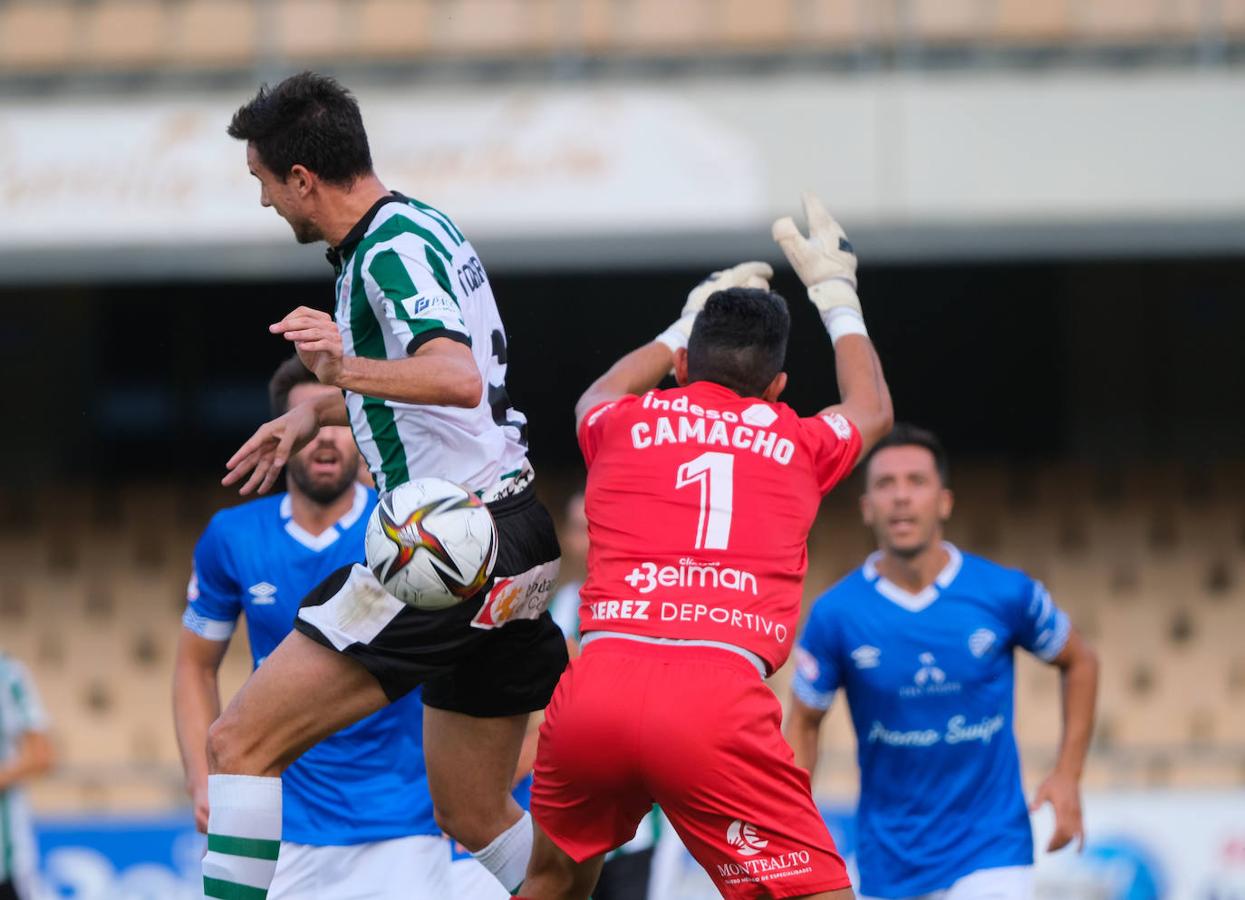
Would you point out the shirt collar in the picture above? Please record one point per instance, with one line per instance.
(337, 255)
(329, 536)
(920, 600)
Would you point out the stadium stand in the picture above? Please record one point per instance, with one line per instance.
(1154, 573)
(43, 37)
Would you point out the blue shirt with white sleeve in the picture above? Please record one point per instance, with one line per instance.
(367, 782)
(929, 679)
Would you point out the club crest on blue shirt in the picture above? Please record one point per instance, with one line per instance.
(980, 642)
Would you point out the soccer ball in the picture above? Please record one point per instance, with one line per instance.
(431, 543)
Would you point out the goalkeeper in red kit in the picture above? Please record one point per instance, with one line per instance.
(699, 501)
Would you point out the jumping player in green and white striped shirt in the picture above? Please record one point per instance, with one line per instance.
(419, 351)
(24, 753)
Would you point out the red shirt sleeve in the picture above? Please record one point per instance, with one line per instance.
(594, 423)
(834, 444)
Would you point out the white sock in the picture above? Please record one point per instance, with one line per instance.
(244, 835)
(507, 856)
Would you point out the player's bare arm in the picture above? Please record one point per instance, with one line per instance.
(638, 371)
(866, 398)
(442, 372)
(34, 757)
(801, 728)
(643, 368)
(1078, 668)
(826, 263)
(196, 705)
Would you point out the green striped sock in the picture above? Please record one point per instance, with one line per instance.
(244, 836)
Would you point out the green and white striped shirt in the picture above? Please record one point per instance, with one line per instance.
(407, 275)
(20, 712)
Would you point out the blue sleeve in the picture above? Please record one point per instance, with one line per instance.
(214, 596)
(816, 665)
(1042, 627)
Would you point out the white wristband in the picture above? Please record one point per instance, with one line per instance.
(672, 338)
(677, 335)
(843, 320)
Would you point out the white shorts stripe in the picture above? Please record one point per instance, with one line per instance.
(358, 612)
(408, 868)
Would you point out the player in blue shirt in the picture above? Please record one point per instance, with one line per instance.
(357, 815)
(921, 639)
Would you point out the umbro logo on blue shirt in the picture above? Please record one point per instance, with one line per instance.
(866, 657)
(263, 594)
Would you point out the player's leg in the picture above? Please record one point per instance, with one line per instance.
(553, 875)
(587, 796)
(725, 777)
(471, 764)
(507, 666)
(302, 693)
(625, 876)
(474, 723)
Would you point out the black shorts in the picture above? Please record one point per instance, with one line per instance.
(497, 654)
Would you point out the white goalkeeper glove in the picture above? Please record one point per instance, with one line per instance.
(746, 275)
(826, 263)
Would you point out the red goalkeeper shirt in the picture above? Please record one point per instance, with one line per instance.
(699, 504)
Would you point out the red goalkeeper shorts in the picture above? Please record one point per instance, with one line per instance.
(696, 730)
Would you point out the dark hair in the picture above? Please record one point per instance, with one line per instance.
(740, 340)
(307, 119)
(905, 435)
(289, 375)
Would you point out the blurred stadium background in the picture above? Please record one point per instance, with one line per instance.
(1046, 195)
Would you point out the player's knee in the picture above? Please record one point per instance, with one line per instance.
(232, 751)
(470, 827)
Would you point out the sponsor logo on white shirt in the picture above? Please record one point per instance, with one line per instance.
(524, 596)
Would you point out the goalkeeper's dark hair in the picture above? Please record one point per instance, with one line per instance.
(289, 375)
(308, 120)
(740, 340)
(906, 435)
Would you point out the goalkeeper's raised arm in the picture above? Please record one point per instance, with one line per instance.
(826, 264)
(643, 368)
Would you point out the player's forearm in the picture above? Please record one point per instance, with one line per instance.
(866, 397)
(802, 735)
(330, 409)
(196, 705)
(1080, 693)
(33, 758)
(435, 379)
(640, 370)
